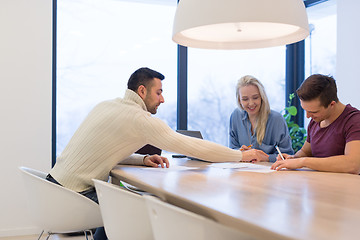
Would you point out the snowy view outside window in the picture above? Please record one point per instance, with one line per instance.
(212, 85)
(101, 42)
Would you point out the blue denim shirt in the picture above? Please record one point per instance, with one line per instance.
(276, 133)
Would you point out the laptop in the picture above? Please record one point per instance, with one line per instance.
(190, 133)
(149, 149)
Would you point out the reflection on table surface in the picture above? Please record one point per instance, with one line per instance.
(300, 204)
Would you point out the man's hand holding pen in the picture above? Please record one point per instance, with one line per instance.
(285, 155)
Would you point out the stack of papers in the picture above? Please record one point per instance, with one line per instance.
(239, 166)
(171, 168)
(243, 166)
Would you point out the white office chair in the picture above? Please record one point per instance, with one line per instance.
(124, 213)
(171, 222)
(56, 209)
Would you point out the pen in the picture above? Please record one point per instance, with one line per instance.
(246, 147)
(178, 156)
(277, 148)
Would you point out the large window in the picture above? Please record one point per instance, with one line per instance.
(100, 43)
(213, 75)
(320, 46)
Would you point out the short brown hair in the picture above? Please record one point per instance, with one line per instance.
(318, 86)
(143, 76)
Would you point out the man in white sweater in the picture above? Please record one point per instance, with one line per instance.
(115, 129)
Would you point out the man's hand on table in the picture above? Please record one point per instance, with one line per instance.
(254, 155)
(155, 161)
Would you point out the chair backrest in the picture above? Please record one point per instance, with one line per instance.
(58, 209)
(124, 213)
(171, 222)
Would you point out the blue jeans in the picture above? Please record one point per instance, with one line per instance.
(91, 194)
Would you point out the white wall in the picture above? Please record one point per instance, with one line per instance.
(348, 52)
(25, 94)
(25, 103)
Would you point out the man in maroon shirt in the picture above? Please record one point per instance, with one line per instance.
(333, 141)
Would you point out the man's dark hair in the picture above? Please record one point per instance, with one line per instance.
(143, 76)
(318, 86)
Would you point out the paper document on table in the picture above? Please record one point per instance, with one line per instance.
(171, 168)
(242, 166)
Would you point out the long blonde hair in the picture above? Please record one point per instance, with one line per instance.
(264, 111)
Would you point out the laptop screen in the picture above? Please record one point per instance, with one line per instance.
(149, 149)
(190, 133)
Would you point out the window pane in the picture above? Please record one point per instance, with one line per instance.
(213, 75)
(100, 43)
(320, 46)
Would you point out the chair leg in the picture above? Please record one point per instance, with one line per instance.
(48, 236)
(40, 234)
(91, 234)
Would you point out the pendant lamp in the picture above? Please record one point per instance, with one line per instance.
(239, 24)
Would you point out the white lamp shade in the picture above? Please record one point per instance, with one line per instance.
(239, 24)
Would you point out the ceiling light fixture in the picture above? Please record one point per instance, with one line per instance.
(239, 24)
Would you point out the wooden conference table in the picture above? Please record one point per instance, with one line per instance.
(299, 204)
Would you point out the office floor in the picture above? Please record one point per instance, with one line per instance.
(35, 237)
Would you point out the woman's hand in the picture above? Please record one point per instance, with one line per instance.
(244, 147)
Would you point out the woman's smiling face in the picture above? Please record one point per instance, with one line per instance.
(250, 99)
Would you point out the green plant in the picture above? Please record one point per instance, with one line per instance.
(297, 133)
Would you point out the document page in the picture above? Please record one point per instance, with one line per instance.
(171, 168)
(243, 166)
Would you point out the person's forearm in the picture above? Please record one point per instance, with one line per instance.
(341, 164)
(300, 154)
(133, 159)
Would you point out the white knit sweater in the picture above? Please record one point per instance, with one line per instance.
(113, 131)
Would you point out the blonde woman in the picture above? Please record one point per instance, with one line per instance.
(254, 124)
